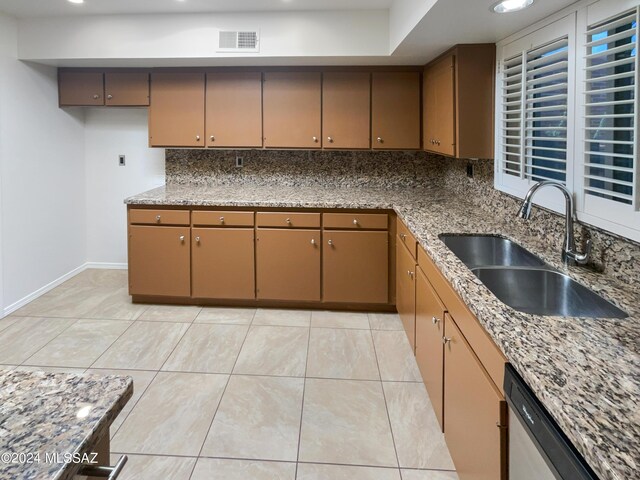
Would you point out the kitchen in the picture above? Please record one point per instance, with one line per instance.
(389, 239)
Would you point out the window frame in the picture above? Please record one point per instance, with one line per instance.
(574, 21)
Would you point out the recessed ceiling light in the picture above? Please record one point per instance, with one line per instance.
(506, 6)
(75, 1)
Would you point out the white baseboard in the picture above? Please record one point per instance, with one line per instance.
(50, 286)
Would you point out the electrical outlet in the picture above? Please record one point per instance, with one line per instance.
(239, 162)
(121, 160)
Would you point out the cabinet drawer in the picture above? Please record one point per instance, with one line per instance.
(362, 221)
(285, 219)
(223, 219)
(491, 357)
(406, 237)
(159, 217)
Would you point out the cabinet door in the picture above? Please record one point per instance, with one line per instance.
(159, 261)
(395, 110)
(474, 412)
(234, 109)
(222, 263)
(288, 264)
(406, 291)
(80, 88)
(176, 113)
(292, 109)
(346, 110)
(429, 348)
(439, 96)
(126, 89)
(355, 267)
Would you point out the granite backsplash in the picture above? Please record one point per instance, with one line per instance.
(612, 255)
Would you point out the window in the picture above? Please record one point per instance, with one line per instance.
(566, 103)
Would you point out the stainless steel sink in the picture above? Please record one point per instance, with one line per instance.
(489, 250)
(545, 292)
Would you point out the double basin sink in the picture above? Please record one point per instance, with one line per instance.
(524, 282)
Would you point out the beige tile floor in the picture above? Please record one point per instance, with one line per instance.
(238, 393)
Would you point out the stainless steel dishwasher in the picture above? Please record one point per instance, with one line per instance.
(538, 450)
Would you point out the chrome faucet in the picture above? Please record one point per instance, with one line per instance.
(569, 254)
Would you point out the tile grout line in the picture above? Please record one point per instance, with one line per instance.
(74, 321)
(224, 390)
(304, 388)
(386, 406)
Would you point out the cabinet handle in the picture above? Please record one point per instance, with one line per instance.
(315, 139)
(221, 219)
(288, 220)
(96, 96)
(379, 140)
(330, 139)
(182, 238)
(197, 138)
(197, 239)
(435, 320)
(446, 340)
(355, 221)
(330, 242)
(158, 217)
(403, 237)
(110, 473)
(213, 139)
(313, 241)
(109, 97)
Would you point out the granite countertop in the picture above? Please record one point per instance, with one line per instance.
(585, 371)
(52, 415)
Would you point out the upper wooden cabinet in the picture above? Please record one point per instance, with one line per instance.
(126, 89)
(176, 114)
(346, 110)
(292, 109)
(395, 110)
(458, 93)
(234, 109)
(80, 88)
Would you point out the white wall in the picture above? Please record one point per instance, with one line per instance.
(195, 36)
(110, 132)
(42, 175)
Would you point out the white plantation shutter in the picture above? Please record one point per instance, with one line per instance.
(610, 163)
(512, 116)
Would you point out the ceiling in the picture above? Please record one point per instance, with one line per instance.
(47, 8)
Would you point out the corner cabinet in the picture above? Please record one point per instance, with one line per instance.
(176, 114)
(458, 102)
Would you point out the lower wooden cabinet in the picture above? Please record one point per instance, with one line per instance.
(430, 312)
(355, 266)
(159, 261)
(222, 263)
(406, 291)
(475, 412)
(288, 264)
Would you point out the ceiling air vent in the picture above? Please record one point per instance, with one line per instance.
(238, 41)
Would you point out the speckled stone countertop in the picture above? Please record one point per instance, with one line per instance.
(39, 414)
(585, 371)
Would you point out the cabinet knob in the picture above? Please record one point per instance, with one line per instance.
(355, 221)
(158, 218)
(403, 237)
(109, 97)
(221, 219)
(313, 241)
(288, 220)
(182, 238)
(438, 142)
(197, 239)
(197, 138)
(379, 140)
(410, 273)
(446, 340)
(435, 320)
(315, 139)
(330, 242)
(96, 96)
(330, 139)
(213, 139)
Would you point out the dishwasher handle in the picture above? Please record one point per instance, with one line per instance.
(110, 473)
